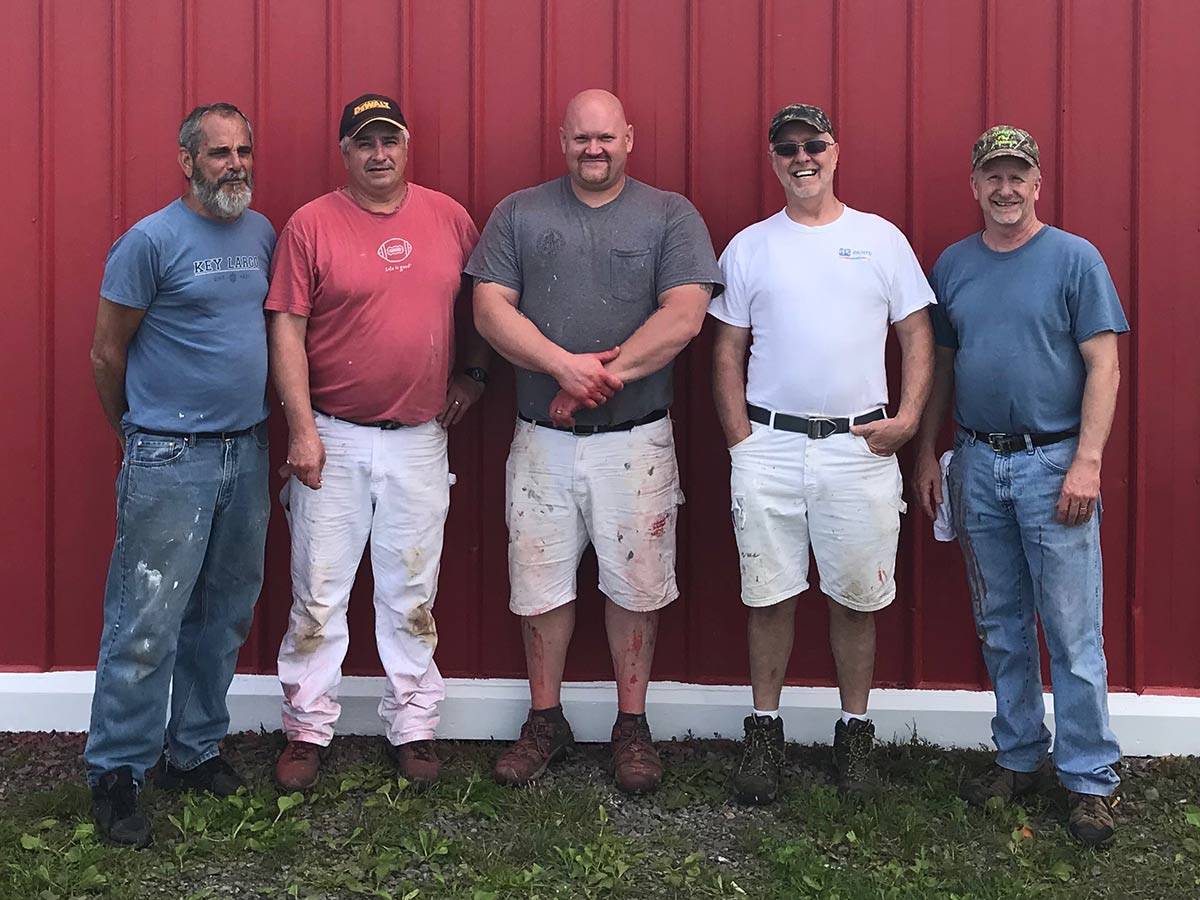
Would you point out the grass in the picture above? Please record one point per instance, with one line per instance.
(365, 832)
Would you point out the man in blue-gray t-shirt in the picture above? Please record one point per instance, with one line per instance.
(180, 361)
(1026, 327)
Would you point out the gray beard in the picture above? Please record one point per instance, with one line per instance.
(220, 203)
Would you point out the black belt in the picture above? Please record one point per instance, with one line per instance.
(1011, 443)
(199, 435)
(584, 430)
(815, 427)
(384, 424)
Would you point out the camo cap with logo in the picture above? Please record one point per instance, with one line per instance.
(800, 112)
(1005, 140)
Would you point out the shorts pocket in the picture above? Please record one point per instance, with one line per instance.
(148, 451)
(631, 274)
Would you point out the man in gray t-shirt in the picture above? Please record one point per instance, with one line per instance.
(591, 285)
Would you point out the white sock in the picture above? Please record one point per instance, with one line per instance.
(766, 713)
(847, 716)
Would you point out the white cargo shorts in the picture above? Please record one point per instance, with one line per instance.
(791, 492)
(619, 490)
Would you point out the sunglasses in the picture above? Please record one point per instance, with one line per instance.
(814, 147)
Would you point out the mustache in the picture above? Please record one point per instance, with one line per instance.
(603, 157)
(232, 177)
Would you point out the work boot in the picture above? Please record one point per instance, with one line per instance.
(851, 748)
(115, 810)
(1090, 818)
(416, 760)
(213, 776)
(545, 739)
(299, 765)
(635, 763)
(1006, 784)
(756, 779)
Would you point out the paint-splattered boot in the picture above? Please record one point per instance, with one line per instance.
(545, 739)
(756, 779)
(852, 745)
(635, 763)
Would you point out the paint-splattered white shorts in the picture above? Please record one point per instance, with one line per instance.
(619, 490)
(791, 492)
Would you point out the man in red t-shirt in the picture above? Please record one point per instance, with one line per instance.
(361, 339)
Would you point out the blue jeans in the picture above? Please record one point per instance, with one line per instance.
(185, 573)
(1021, 563)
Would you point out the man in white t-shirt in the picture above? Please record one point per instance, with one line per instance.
(811, 291)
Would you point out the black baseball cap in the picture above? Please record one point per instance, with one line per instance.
(370, 108)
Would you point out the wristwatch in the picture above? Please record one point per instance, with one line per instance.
(475, 373)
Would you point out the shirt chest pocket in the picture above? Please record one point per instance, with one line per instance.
(631, 274)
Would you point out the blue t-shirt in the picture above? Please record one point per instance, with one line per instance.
(1016, 320)
(198, 361)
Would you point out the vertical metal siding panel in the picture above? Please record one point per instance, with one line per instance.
(1168, 318)
(1101, 93)
(651, 65)
(872, 123)
(728, 150)
(950, 91)
(438, 67)
(507, 73)
(25, 343)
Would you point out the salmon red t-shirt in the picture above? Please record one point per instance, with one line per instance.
(378, 290)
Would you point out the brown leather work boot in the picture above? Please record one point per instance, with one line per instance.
(416, 760)
(1090, 818)
(298, 766)
(544, 740)
(1006, 784)
(635, 763)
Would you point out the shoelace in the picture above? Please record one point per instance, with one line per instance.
(422, 750)
(634, 740)
(300, 752)
(760, 749)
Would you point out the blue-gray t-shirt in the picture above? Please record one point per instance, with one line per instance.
(1016, 321)
(198, 361)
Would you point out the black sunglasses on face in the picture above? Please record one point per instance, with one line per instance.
(814, 147)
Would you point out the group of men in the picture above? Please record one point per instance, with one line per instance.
(590, 285)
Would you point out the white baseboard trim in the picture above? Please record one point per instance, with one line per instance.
(1146, 725)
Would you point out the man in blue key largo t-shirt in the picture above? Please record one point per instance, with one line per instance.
(1026, 327)
(180, 361)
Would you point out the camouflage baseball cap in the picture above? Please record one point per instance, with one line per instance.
(1005, 140)
(799, 112)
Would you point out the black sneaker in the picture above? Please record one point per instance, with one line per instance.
(213, 776)
(1090, 818)
(1006, 784)
(852, 745)
(115, 810)
(756, 779)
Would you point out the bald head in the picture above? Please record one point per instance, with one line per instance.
(596, 139)
(594, 104)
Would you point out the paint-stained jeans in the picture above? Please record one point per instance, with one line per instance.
(1022, 563)
(186, 570)
(393, 488)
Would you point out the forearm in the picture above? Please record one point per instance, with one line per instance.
(937, 407)
(659, 340)
(515, 337)
(109, 374)
(1099, 407)
(729, 394)
(473, 351)
(916, 373)
(289, 374)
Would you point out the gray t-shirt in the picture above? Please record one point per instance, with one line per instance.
(198, 361)
(1016, 320)
(589, 278)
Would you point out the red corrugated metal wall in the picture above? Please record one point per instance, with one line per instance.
(94, 92)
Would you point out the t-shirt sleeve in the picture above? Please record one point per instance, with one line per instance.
(732, 306)
(292, 273)
(131, 271)
(496, 257)
(944, 334)
(910, 288)
(687, 254)
(1095, 306)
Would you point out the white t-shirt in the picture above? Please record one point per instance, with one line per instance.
(818, 301)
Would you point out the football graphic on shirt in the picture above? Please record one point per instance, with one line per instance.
(394, 250)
